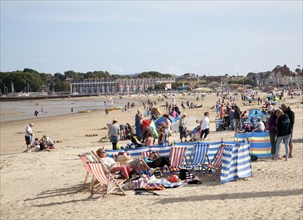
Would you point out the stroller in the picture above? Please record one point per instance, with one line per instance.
(223, 124)
(195, 134)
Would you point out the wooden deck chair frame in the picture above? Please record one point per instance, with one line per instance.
(216, 163)
(104, 177)
(85, 161)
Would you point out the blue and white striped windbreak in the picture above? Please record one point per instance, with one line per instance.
(236, 163)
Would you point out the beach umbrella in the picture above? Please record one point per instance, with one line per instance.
(149, 122)
(161, 119)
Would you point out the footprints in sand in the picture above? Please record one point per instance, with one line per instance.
(91, 135)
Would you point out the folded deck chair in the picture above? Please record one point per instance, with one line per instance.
(198, 156)
(216, 163)
(84, 161)
(177, 156)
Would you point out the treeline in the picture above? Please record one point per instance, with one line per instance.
(33, 81)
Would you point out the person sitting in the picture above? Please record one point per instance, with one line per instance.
(136, 165)
(154, 160)
(149, 139)
(46, 142)
(259, 126)
(146, 131)
(36, 146)
(112, 165)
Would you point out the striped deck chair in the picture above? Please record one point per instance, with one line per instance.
(147, 153)
(105, 178)
(177, 156)
(198, 157)
(85, 161)
(216, 163)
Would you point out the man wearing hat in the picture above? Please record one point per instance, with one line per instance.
(291, 115)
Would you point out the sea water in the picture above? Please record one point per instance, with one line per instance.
(19, 110)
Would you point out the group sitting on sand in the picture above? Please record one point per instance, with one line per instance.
(45, 143)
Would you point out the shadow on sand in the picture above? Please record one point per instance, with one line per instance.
(51, 195)
(224, 196)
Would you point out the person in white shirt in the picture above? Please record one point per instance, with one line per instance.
(259, 126)
(204, 126)
(28, 136)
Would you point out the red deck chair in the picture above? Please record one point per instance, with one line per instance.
(177, 156)
(216, 163)
(85, 161)
(105, 178)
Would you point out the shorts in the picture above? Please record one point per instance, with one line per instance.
(28, 140)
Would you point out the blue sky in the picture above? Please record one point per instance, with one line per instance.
(126, 37)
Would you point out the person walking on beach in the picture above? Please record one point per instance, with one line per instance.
(28, 136)
(114, 133)
(291, 115)
(204, 126)
(284, 133)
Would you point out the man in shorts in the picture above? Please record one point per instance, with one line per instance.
(28, 136)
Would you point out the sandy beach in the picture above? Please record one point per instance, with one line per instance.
(48, 185)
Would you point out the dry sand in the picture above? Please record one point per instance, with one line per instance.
(47, 185)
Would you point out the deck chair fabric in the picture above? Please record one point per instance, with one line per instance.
(216, 163)
(198, 156)
(105, 178)
(177, 156)
(85, 161)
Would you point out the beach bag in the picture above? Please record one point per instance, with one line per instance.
(253, 157)
(185, 174)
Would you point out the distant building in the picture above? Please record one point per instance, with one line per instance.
(120, 86)
(279, 77)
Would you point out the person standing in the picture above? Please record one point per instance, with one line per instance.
(237, 117)
(182, 127)
(138, 122)
(231, 119)
(28, 136)
(284, 133)
(272, 128)
(291, 115)
(114, 133)
(204, 126)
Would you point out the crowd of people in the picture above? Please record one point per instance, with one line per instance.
(279, 124)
